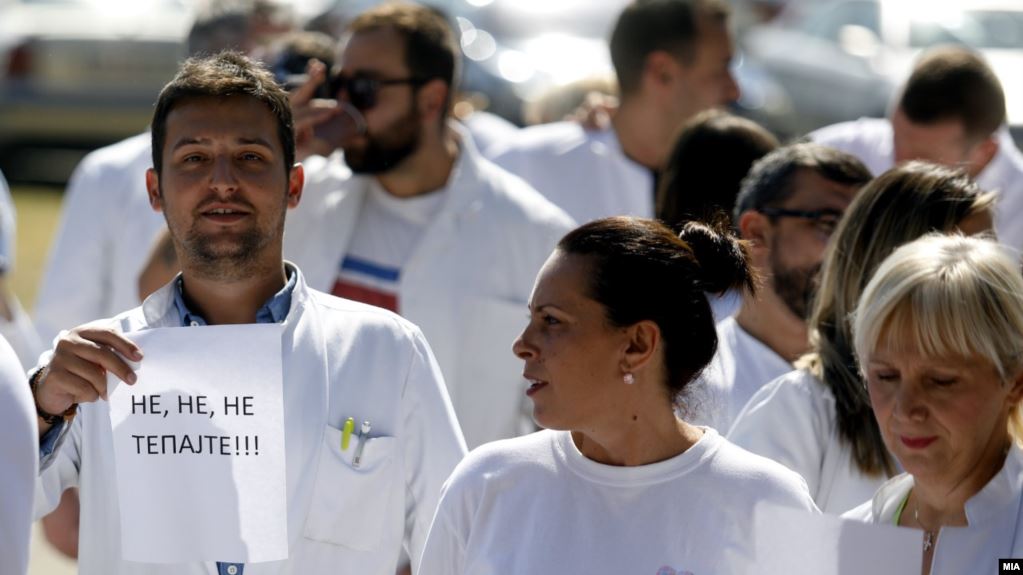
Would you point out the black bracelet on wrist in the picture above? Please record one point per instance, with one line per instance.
(48, 418)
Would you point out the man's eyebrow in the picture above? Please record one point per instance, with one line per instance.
(257, 141)
(188, 142)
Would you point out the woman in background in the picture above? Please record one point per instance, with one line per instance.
(712, 154)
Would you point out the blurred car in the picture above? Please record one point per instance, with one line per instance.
(834, 61)
(84, 72)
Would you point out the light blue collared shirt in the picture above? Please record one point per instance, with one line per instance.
(275, 310)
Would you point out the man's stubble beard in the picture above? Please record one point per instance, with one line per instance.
(242, 259)
(382, 154)
(794, 286)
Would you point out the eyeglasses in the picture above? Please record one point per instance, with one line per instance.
(362, 90)
(825, 220)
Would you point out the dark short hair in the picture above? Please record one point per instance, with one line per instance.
(713, 153)
(224, 74)
(770, 179)
(640, 270)
(647, 26)
(430, 48)
(952, 82)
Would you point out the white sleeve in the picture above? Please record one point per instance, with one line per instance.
(840, 135)
(59, 470)
(73, 290)
(8, 223)
(512, 159)
(781, 422)
(433, 444)
(19, 455)
(444, 553)
(21, 334)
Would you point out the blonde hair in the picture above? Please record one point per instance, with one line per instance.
(947, 296)
(898, 206)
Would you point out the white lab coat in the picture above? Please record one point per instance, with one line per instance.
(19, 332)
(466, 284)
(585, 172)
(341, 359)
(106, 232)
(993, 514)
(741, 365)
(871, 140)
(793, 421)
(19, 450)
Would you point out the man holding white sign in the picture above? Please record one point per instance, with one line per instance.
(302, 444)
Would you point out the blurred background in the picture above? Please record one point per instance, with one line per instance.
(79, 74)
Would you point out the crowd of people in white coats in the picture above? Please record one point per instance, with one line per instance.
(585, 346)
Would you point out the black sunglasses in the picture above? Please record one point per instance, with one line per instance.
(825, 220)
(362, 90)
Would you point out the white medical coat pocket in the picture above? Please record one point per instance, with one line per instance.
(350, 503)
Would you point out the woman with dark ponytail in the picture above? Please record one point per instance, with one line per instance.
(619, 325)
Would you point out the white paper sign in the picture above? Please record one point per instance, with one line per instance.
(199, 446)
(796, 542)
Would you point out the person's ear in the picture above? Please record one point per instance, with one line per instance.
(1016, 393)
(755, 228)
(296, 182)
(982, 153)
(660, 70)
(153, 188)
(643, 339)
(432, 99)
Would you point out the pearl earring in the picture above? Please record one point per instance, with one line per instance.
(628, 379)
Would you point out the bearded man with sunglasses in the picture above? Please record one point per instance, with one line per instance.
(426, 226)
(787, 208)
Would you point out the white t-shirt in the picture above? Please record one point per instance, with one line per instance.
(792, 420)
(384, 238)
(19, 456)
(872, 141)
(995, 527)
(741, 366)
(536, 505)
(584, 172)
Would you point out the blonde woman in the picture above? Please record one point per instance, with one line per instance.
(939, 335)
(817, 420)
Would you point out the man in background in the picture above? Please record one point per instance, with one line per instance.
(426, 226)
(951, 112)
(787, 208)
(672, 61)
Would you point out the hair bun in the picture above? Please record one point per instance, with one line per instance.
(724, 260)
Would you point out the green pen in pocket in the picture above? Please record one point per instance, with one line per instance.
(346, 433)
